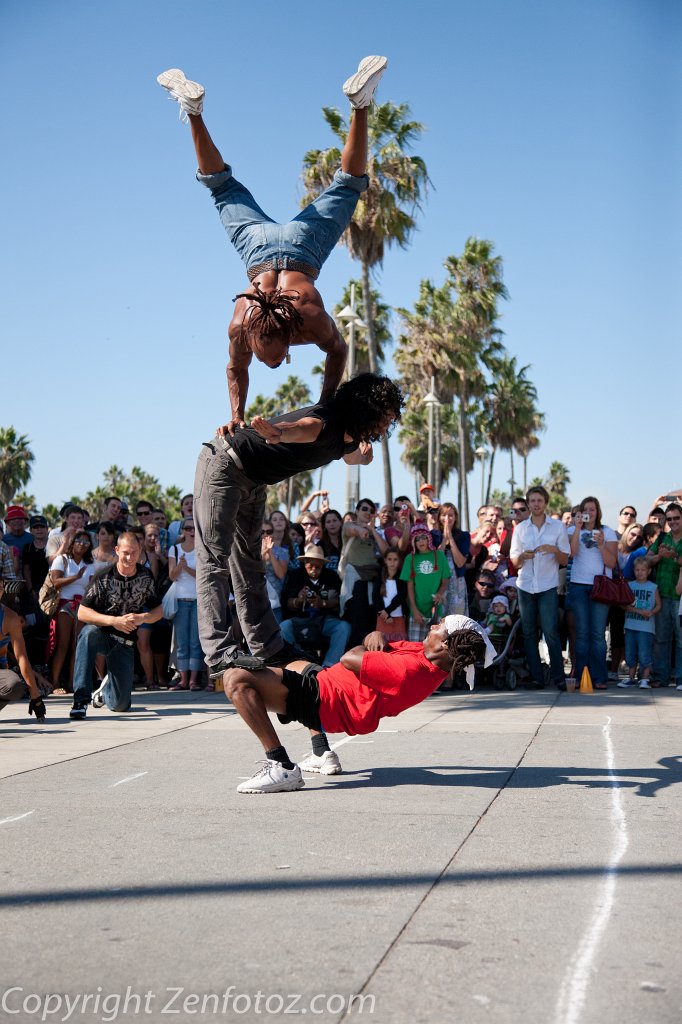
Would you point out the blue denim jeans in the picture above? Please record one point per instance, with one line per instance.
(308, 238)
(639, 649)
(190, 657)
(590, 632)
(668, 631)
(544, 606)
(335, 630)
(228, 516)
(120, 662)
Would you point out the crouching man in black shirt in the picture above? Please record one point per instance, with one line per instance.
(112, 609)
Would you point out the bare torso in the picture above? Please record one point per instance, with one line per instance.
(318, 329)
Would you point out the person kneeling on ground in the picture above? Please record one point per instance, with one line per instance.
(372, 681)
(112, 609)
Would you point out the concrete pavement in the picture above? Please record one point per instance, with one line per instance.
(488, 857)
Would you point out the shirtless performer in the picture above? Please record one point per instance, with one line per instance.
(281, 306)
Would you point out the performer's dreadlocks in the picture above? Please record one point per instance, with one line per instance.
(466, 647)
(272, 314)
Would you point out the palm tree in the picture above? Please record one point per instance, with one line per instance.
(413, 436)
(511, 408)
(15, 463)
(385, 214)
(476, 276)
(530, 442)
(558, 479)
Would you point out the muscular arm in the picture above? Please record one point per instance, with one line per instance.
(237, 372)
(335, 363)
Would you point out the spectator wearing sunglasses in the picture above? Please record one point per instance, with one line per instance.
(481, 597)
(182, 571)
(626, 517)
(666, 554)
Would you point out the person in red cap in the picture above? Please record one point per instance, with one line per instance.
(16, 534)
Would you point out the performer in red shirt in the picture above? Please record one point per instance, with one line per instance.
(370, 682)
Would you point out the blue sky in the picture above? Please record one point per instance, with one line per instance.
(552, 129)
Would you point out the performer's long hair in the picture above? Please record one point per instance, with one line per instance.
(364, 402)
(466, 647)
(270, 315)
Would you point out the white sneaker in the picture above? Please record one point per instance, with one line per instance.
(643, 685)
(327, 764)
(190, 95)
(361, 86)
(97, 698)
(625, 683)
(273, 777)
(679, 687)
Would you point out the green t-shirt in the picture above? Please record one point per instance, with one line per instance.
(668, 569)
(427, 577)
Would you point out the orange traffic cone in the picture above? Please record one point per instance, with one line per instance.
(586, 681)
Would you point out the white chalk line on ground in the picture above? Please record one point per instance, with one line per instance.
(129, 778)
(577, 977)
(17, 817)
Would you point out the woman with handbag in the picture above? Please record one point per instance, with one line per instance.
(182, 571)
(594, 553)
(69, 574)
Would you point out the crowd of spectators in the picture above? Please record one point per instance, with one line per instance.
(333, 578)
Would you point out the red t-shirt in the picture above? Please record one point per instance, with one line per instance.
(390, 682)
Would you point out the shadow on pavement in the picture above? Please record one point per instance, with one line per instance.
(268, 886)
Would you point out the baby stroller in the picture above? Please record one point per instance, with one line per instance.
(509, 667)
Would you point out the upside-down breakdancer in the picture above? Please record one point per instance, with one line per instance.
(369, 683)
(281, 307)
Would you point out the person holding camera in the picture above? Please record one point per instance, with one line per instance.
(310, 600)
(594, 551)
(182, 561)
(539, 547)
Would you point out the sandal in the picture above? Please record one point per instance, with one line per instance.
(60, 692)
(195, 686)
(153, 686)
(179, 687)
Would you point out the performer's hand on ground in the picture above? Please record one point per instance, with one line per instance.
(270, 432)
(229, 428)
(36, 707)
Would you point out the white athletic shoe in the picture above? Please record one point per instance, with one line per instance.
(97, 698)
(273, 777)
(328, 764)
(361, 86)
(190, 95)
(626, 683)
(644, 685)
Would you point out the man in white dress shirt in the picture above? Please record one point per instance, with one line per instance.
(538, 548)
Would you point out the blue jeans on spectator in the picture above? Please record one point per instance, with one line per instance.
(190, 657)
(335, 630)
(639, 649)
(120, 662)
(668, 631)
(590, 630)
(544, 606)
(308, 238)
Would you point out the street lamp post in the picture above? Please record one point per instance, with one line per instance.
(481, 453)
(352, 321)
(433, 406)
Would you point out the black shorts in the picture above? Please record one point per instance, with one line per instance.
(303, 698)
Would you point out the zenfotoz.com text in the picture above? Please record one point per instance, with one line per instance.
(108, 1007)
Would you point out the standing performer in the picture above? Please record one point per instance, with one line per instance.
(232, 475)
(370, 682)
(281, 306)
